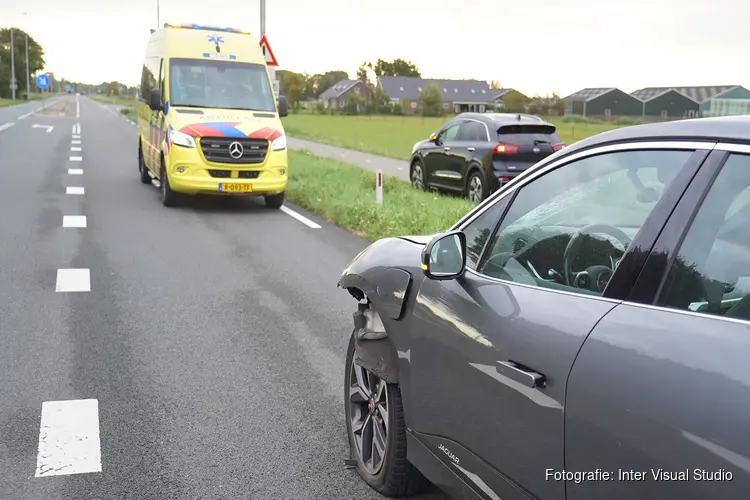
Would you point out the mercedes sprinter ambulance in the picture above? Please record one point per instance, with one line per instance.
(208, 119)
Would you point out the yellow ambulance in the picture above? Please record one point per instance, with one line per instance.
(208, 119)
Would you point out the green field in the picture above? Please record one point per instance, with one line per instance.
(394, 136)
(120, 101)
(345, 195)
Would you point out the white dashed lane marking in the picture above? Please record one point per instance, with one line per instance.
(74, 190)
(75, 171)
(6, 126)
(76, 136)
(73, 280)
(75, 148)
(76, 158)
(75, 141)
(304, 220)
(74, 221)
(69, 438)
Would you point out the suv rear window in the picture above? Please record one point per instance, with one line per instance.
(526, 134)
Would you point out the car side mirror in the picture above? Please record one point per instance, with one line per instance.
(283, 109)
(444, 258)
(154, 101)
(433, 137)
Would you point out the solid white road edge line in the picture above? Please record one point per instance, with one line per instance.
(73, 280)
(6, 125)
(74, 190)
(75, 171)
(69, 440)
(76, 158)
(74, 221)
(304, 220)
(75, 148)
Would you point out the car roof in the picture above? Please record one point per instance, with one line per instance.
(499, 119)
(725, 128)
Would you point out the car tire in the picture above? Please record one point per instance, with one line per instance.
(275, 200)
(476, 187)
(142, 169)
(393, 475)
(168, 197)
(416, 176)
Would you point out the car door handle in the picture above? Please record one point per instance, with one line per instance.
(447, 148)
(469, 149)
(521, 374)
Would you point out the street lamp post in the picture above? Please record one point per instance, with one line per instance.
(12, 65)
(28, 70)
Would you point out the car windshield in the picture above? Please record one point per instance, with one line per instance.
(219, 84)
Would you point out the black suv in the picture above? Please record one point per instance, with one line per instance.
(476, 153)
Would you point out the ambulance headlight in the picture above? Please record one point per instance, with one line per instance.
(182, 139)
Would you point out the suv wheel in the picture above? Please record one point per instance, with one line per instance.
(145, 178)
(476, 188)
(377, 432)
(417, 176)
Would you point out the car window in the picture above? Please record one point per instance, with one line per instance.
(711, 271)
(479, 230)
(472, 131)
(569, 228)
(450, 132)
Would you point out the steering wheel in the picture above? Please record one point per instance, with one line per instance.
(575, 243)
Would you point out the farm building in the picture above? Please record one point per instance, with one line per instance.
(509, 98)
(337, 96)
(606, 103)
(666, 103)
(458, 95)
(686, 102)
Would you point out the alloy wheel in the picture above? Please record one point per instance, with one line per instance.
(475, 189)
(368, 404)
(417, 177)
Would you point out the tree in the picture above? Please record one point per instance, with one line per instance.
(431, 100)
(36, 60)
(515, 102)
(292, 86)
(363, 72)
(495, 85)
(397, 67)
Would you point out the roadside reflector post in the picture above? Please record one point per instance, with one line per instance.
(379, 187)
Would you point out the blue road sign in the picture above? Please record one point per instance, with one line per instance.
(42, 81)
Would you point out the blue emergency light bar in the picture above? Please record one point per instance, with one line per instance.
(205, 28)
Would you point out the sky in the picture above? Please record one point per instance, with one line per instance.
(537, 47)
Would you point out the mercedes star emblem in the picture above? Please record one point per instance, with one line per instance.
(236, 150)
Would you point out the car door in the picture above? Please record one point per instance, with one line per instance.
(492, 350)
(473, 136)
(660, 393)
(437, 160)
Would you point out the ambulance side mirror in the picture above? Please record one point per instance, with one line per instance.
(283, 109)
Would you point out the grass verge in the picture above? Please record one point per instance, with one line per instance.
(394, 136)
(20, 100)
(345, 195)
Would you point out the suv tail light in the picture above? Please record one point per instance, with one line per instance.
(557, 147)
(506, 148)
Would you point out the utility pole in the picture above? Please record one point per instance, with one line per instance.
(28, 84)
(157, 14)
(271, 69)
(12, 65)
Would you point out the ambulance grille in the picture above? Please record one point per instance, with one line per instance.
(216, 150)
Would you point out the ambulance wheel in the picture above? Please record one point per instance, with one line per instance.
(168, 197)
(274, 200)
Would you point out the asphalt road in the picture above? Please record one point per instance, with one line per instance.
(199, 353)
